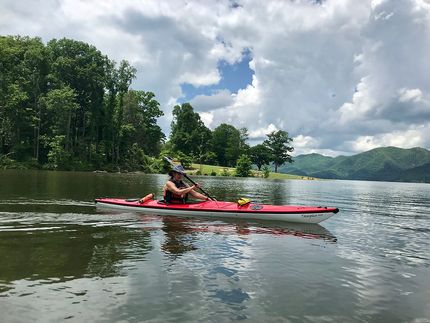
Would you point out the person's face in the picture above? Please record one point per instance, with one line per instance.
(178, 176)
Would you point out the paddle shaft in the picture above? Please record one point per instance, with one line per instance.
(186, 176)
(201, 189)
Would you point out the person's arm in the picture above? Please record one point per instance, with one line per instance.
(179, 191)
(199, 196)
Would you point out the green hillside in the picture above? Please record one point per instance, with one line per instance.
(420, 174)
(383, 164)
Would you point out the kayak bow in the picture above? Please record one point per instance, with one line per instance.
(289, 213)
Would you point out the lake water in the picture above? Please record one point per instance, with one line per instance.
(61, 258)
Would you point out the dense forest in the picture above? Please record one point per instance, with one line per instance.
(64, 105)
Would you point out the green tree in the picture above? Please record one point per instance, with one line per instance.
(60, 105)
(243, 167)
(209, 158)
(66, 102)
(141, 111)
(14, 123)
(23, 70)
(185, 160)
(189, 135)
(226, 141)
(58, 157)
(84, 69)
(243, 146)
(167, 150)
(107, 131)
(260, 155)
(279, 144)
(135, 158)
(36, 69)
(122, 131)
(266, 171)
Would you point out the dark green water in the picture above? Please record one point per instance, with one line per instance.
(60, 258)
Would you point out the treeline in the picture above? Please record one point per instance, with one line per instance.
(65, 105)
(191, 140)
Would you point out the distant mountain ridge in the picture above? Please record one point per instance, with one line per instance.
(379, 164)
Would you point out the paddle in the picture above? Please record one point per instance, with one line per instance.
(170, 161)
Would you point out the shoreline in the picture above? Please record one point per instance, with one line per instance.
(219, 171)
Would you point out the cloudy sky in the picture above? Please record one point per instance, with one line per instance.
(341, 76)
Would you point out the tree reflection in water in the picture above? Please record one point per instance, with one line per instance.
(65, 252)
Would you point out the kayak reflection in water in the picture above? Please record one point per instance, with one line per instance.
(177, 191)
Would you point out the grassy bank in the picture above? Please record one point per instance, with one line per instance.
(212, 170)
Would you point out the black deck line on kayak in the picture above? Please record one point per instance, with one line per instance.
(323, 209)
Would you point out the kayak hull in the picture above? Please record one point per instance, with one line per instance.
(215, 209)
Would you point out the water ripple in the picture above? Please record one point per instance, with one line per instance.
(369, 263)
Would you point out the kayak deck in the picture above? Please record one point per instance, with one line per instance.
(290, 213)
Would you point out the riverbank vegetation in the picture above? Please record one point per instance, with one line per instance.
(66, 106)
(213, 170)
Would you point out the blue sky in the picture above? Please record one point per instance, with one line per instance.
(234, 77)
(341, 76)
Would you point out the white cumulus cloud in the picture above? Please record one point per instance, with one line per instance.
(341, 76)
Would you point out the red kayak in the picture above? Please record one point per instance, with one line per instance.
(218, 209)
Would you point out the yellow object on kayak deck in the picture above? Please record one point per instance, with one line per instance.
(243, 201)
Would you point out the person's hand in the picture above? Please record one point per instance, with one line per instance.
(196, 185)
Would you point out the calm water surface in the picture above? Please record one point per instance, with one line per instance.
(61, 258)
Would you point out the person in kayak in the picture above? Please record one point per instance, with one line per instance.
(177, 191)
